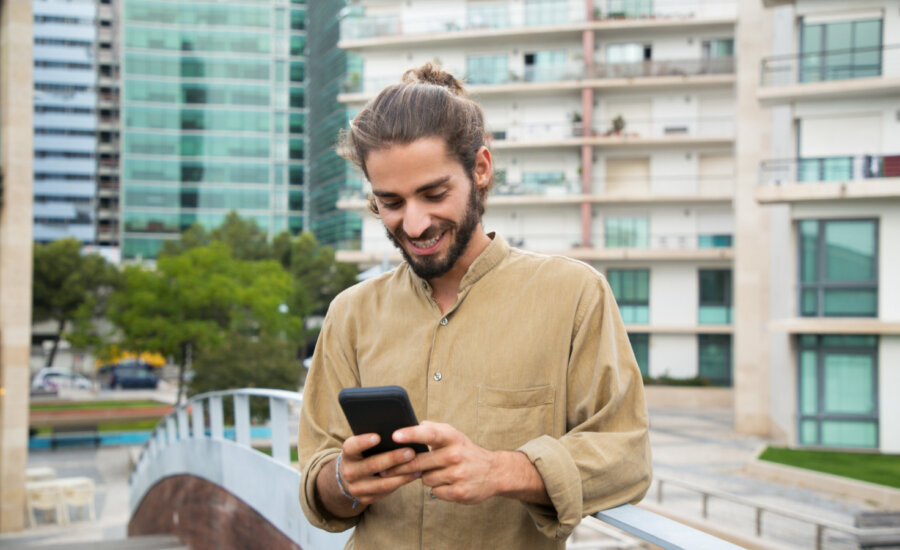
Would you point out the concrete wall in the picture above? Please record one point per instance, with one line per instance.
(16, 141)
(888, 404)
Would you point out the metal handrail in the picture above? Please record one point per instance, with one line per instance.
(820, 524)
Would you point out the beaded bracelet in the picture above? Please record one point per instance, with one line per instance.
(340, 484)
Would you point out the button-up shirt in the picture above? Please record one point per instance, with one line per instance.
(532, 356)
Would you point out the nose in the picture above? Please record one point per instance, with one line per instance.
(416, 219)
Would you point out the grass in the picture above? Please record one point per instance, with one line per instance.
(94, 405)
(874, 468)
(268, 451)
(138, 425)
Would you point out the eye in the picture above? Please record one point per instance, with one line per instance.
(436, 196)
(390, 205)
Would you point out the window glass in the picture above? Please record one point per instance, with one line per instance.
(546, 12)
(487, 69)
(630, 8)
(627, 232)
(640, 343)
(809, 383)
(850, 251)
(631, 288)
(842, 433)
(840, 50)
(715, 358)
(715, 296)
(487, 16)
(849, 384)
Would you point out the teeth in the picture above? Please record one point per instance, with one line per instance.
(427, 244)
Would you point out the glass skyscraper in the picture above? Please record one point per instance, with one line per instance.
(213, 117)
(329, 173)
(65, 120)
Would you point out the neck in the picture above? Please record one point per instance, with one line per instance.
(445, 287)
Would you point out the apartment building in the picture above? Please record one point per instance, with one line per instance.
(65, 120)
(613, 126)
(212, 117)
(831, 87)
(108, 131)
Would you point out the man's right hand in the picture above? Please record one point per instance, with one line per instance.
(360, 476)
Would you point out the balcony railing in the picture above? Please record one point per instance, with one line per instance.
(652, 128)
(356, 25)
(665, 241)
(355, 83)
(825, 66)
(194, 440)
(663, 67)
(828, 169)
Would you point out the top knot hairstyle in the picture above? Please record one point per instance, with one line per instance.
(427, 102)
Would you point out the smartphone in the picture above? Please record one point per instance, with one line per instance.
(381, 410)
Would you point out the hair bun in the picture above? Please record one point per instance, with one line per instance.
(432, 73)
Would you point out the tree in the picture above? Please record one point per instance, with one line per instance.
(197, 300)
(69, 286)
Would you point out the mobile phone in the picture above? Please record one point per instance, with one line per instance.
(381, 410)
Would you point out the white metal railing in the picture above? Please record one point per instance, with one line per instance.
(192, 440)
(764, 510)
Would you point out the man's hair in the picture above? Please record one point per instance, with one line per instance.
(427, 102)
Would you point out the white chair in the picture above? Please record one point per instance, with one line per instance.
(40, 474)
(45, 496)
(78, 492)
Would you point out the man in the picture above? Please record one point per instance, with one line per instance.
(518, 364)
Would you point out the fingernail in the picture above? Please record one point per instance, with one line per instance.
(408, 454)
(373, 439)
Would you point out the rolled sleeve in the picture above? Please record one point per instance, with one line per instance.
(563, 484)
(317, 515)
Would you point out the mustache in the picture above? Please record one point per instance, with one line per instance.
(430, 233)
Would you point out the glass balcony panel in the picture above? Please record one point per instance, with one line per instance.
(714, 315)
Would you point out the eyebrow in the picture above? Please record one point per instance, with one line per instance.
(419, 190)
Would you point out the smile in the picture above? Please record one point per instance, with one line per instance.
(426, 247)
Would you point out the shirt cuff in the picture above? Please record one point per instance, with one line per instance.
(317, 515)
(563, 483)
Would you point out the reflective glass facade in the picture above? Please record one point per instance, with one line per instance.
(213, 117)
(329, 174)
(65, 120)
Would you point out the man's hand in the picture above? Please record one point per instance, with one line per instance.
(362, 477)
(458, 470)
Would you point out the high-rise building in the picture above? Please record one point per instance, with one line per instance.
(613, 130)
(108, 139)
(212, 117)
(829, 82)
(328, 173)
(65, 120)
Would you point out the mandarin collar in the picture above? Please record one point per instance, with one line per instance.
(489, 258)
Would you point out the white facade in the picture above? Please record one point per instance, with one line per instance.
(836, 163)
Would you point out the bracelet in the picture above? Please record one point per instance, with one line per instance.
(340, 483)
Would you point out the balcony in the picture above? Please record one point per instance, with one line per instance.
(502, 20)
(618, 133)
(854, 73)
(829, 178)
(683, 69)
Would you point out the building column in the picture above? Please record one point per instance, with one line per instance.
(587, 120)
(16, 230)
(752, 254)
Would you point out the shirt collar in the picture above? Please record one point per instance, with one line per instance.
(486, 261)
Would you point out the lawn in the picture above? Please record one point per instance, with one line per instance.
(874, 468)
(62, 406)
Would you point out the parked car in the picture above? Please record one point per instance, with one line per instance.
(129, 375)
(57, 378)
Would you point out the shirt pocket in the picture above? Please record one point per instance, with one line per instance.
(506, 419)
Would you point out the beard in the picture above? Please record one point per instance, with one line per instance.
(429, 267)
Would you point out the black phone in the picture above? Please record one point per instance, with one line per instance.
(381, 410)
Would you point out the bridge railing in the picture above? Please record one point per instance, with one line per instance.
(194, 440)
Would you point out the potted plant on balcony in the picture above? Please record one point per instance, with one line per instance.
(618, 124)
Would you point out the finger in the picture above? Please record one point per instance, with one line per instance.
(354, 446)
(382, 462)
(433, 434)
(375, 488)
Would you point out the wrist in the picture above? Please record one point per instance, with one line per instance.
(340, 482)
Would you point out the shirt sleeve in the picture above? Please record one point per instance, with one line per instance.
(603, 460)
(322, 428)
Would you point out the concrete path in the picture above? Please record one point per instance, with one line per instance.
(692, 445)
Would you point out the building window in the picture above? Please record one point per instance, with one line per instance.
(546, 12)
(545, 66)
(631, 287)
(630, 8)
(840, 50)
(838, 390)
(720, 47)
(715, 296)
(714, 354)
(627, 233)
(838, 268)
(487, 69)
(640, 343)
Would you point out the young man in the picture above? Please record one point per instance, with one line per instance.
(518, 364)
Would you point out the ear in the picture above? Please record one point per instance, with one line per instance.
(484, 167)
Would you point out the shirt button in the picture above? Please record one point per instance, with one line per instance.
(444, 322)
(424, 285)
(437, 377)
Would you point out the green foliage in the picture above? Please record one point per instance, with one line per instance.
(664, 380)
(80, 405)
(874, 468)
(70, 287)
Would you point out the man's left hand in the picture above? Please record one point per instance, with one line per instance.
(458, 470)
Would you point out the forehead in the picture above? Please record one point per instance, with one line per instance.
(411, 164)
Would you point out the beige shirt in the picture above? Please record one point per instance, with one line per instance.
(533, 356)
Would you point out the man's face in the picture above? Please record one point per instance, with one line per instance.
(427, 202)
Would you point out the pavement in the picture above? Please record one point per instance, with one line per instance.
(695, 446)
